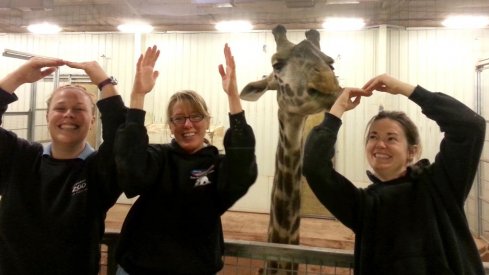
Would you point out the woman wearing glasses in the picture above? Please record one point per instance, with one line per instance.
(184, 187)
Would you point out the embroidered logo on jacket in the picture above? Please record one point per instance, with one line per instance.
(200, 176)
(79, 187)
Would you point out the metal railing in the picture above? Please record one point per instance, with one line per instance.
(250, 257)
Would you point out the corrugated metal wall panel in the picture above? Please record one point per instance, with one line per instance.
(438, 59)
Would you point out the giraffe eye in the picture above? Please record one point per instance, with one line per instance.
(278, 66)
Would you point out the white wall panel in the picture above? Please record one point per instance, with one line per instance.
(438, 59)
(189, 61)
(115, 52)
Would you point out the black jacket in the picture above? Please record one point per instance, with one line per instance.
(174, 227)
(52, 211)
(414, 224)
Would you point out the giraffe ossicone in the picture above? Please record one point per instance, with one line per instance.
(304, 79)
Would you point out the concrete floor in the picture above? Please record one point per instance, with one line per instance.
(315, 232)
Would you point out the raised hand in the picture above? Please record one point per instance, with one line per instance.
(388, 84)
(229, 75)
(31, 71)
(347, 100)
(229, 84)
(91, 68)
(146, 76)
(96, 74)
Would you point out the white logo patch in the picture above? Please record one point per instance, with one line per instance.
(200, 176)
(79, 187)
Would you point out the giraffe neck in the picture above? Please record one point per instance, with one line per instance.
(285, 201)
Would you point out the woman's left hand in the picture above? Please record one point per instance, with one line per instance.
(229, 75)
(146, 76)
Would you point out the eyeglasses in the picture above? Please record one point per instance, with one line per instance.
(180, 120)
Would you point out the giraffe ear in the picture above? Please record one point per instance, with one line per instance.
(254, 90)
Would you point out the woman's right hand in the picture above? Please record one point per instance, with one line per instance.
(31, 71)
(347, 100)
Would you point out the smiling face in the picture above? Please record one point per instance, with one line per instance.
(70, 116)
(387, 149)
(184, 111)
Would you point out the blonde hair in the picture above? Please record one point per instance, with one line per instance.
(189, 97)
(73, 86)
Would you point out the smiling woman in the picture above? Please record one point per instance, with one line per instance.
(395, 218)
(186, 183)
(55, 196)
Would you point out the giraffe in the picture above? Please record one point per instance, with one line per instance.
(306, 84)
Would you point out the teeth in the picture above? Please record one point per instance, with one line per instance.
(68, 126)
(381, 156)
(189, 134)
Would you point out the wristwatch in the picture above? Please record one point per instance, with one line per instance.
(110, 80)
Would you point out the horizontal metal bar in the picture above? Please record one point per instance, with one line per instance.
(16, 114)
(294, 253)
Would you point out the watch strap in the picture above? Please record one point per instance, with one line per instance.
(110, 80)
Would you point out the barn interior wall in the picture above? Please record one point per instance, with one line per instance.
(438, 59)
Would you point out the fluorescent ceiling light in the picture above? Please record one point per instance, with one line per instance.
(135, 27)
(466, 22)
(343, 24)
(234, 26)
(341, 2)
(44, 28)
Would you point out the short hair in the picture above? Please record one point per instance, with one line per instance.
(410, 129)
(73, 86)
(189, 97)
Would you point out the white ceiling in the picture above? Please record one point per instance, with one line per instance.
(201, 15)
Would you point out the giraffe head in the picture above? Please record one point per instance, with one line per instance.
(302, 75)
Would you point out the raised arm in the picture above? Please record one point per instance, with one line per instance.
(137, 167)
(239, 163)
(456, 163)
(333, 190)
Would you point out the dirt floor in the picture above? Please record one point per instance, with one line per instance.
(253, 227)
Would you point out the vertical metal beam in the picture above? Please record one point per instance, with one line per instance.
(481, 66)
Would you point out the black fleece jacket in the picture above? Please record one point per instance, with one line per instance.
(174, 227)
(52, 211)
(414, 224)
